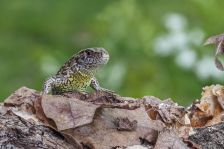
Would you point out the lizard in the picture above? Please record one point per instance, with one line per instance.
(78, 72)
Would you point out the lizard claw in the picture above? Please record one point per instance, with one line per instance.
(107, 90)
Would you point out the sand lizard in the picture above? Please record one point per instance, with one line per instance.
(78, 72)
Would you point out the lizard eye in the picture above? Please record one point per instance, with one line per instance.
(88, 53)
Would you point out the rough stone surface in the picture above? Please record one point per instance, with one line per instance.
(209, 137)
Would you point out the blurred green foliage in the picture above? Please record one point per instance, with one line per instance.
(37, 37)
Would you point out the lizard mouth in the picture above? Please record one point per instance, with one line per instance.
(105, 58)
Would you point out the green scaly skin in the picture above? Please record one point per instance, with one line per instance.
(78, 72)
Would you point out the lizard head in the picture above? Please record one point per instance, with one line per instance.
(92, 58)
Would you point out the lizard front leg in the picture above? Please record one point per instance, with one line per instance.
(96, 86)
(51, 83)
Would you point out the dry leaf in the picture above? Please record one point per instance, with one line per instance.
(218, 91)
(68, 112)
(22, 103)
(207, 111)
(150, 138)
(103, 125)
(219, 42)
(23, 99)
(17, 132)
(167, 111)
(168, 138)
(214, 39)
(124, 124)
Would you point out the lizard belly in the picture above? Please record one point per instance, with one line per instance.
(77, 82)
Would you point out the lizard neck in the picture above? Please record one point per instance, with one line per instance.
(87, 72)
